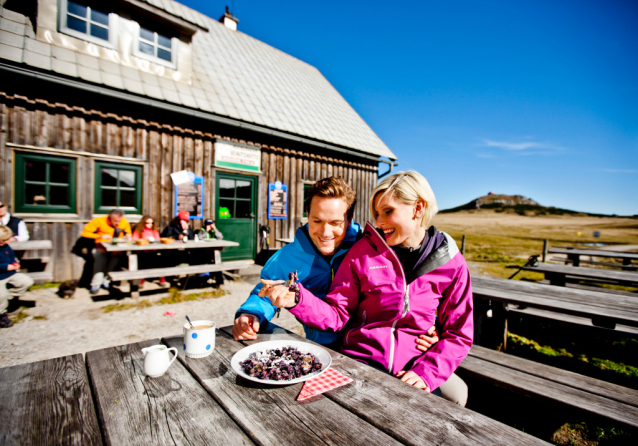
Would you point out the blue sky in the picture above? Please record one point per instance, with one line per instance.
(537, 98)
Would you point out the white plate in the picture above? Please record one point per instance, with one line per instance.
(321, 354)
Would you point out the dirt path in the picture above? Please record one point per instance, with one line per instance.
(79, 325)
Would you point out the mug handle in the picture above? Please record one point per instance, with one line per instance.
(174, 355)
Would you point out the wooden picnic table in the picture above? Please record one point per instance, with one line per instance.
(42, 265)
(560, 274)
(573, 255)
(202, 401)
(604, 309)
(134, 273)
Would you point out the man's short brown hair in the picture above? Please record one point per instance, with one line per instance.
(332, 187)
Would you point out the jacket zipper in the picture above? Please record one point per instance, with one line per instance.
(406, 302)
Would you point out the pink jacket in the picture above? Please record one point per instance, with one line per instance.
(385, 313)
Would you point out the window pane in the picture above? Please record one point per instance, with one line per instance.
(243, 189)
(163, 54)
(59, 173)
(146, 48)
(77, 9)
(243, 209)
(127, 198)
(35, 194)
(35, 170)
(99, 32)
(109, 177)
(127, 178)
(59, 195)
(100, 17)
(148, 35)
(164, 41)
(225, 208)
(109, 197)
(76, 24)
(226, 188)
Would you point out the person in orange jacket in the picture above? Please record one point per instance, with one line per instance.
(103, 230)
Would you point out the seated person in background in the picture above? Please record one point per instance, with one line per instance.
(9, 275)
(103, 230)
(209, 231)
(145, 229)
(390, 288)
(178, 228)
(17, 226)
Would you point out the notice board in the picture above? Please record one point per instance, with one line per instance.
(277, 201)
(190, 197)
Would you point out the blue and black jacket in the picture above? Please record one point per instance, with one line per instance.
(314, 272)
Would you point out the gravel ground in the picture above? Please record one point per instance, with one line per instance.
(79, 325)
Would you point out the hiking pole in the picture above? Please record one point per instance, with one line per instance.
(532, 261)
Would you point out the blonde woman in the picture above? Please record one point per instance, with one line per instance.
(390, 288)
(9, 274)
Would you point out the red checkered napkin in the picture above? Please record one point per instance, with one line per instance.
(328, 380)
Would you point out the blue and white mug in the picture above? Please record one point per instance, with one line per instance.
(199, 341)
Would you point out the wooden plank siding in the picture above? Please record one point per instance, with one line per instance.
(56, 129)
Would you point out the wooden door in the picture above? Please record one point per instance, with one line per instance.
(235, 216)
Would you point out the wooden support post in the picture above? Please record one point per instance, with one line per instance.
(463, 245)
(545, 243)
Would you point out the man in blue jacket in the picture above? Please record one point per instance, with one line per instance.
(9, 275)
(316, 254)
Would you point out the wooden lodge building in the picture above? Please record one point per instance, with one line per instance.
(101, 101)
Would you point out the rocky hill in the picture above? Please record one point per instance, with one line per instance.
(515, 204)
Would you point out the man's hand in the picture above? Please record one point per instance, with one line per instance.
(279, 295)
(413, 379)
(427, 340)
(245, 327)
(13, 267)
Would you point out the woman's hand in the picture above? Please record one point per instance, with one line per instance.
(13, 266)
(279, 294)
(427, 340)
(413, 379)
(246, 326)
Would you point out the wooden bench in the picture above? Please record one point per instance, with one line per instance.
(560, 274)
(539, 380)
(151, 273)
(573, 256)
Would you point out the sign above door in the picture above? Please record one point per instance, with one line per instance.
(237, 157)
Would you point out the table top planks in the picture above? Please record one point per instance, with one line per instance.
(628, 277)
(404, 412)
(31, 245)
(595, 253)
(47, 401)
(270, 415)
(622, 309)
(209, 244)
(172, 409)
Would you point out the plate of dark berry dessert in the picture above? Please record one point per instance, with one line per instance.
(280, 362)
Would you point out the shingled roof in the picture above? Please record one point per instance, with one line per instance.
(233, 75)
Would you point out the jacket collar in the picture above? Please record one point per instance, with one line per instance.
(302, 238)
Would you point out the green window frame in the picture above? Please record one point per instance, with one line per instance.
(118, 186)
(45, 184)
(306, 188)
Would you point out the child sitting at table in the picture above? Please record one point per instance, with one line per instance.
(146, 230)
(391, 286)
(9, 275)
(209, 231)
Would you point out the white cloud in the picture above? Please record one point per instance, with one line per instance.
(621, 170)
(519, 146)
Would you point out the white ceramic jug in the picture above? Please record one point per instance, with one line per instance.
(156, 360)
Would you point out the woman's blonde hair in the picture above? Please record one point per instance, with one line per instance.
(5, 233)
(408, 188)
